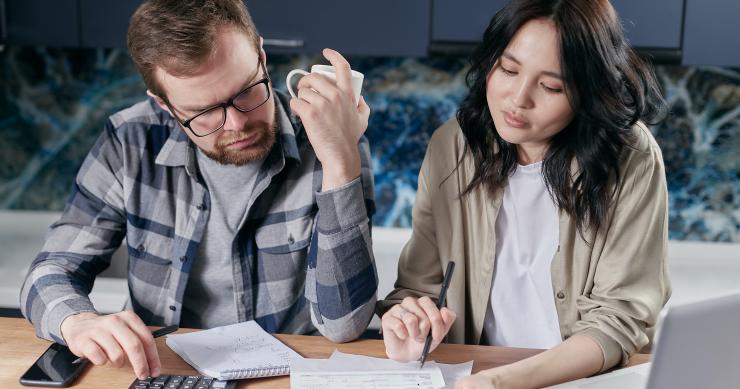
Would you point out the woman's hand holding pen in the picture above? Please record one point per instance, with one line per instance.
(406, 325)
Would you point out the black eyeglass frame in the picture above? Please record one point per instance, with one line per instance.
(226, 104)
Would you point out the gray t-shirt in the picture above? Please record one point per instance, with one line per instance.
(209, 296)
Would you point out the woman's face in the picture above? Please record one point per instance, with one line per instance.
(525, 91)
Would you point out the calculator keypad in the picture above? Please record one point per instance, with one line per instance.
(182, 382)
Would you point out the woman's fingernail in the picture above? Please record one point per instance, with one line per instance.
(155, 372)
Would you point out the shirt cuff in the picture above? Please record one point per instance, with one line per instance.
(341, 208)
(63, 310)
(611, 350)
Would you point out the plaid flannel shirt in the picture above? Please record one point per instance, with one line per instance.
(301, 261)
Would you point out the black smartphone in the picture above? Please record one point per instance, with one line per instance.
(54, 368)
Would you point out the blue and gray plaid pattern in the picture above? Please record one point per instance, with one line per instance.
(302, 261)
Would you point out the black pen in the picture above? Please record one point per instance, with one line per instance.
(440, 304)
(156, 333)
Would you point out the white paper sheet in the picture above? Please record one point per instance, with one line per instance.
(344, 370)
(450, 372)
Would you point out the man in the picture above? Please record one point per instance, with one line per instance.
(232, 210)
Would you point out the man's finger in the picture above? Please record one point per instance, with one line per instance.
(92, 351)
(135, 353)
(320, 84)
(113, 351)
(310, 96)
(298, 107)
(344, 71)
(134, 349)
(364, 111)
(147, 340)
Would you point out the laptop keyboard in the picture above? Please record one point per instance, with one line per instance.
(182, 382)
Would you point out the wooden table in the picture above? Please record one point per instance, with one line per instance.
(19, 348)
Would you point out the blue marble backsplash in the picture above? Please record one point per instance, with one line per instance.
(53, 103)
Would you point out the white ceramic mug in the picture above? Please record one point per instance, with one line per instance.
(329, 71)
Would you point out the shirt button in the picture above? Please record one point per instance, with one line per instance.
(561, 295)
(140, 248)
(201, 207)
(291, 240)
(183, 258)
(173, 308)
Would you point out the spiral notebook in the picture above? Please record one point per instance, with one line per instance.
(237, 351)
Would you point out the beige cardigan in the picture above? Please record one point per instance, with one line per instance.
(611, 291)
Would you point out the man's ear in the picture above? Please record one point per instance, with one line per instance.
(159, 101)
(262, 51)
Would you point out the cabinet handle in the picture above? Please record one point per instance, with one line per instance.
(453, 49)
(661, 56)
(284, 43)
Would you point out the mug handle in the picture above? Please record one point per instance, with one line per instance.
(290, 76)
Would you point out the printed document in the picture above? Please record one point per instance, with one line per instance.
(343, 370)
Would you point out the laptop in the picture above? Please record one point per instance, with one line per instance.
(697, 346)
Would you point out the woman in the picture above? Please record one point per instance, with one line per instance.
(549, 193)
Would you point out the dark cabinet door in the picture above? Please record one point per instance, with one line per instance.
(651, 23)
(648, 23)
(42, 22)
(381, 27)
(373, 28)
(104, 23)
(712, 33)
(462, 20)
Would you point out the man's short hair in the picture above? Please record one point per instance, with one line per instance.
(178, 35)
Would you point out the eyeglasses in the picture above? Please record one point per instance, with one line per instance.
(214, 118)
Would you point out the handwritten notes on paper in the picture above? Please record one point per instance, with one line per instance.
(242, 350)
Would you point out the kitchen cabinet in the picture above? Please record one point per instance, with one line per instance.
(3, 29)
(377, 28)
(42, 22)
(649, 24)
(372, 28)
(104, 23)
(712, 33)
(462, 20)
(691, 32)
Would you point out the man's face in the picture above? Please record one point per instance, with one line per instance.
(233, 66)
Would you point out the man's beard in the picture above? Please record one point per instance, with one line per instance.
(265, 133)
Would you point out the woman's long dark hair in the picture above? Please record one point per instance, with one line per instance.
(609, 87)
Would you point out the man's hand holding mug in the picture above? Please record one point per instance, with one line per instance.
(334, 114)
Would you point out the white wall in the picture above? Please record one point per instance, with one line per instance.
(22, 237)
(698, 270)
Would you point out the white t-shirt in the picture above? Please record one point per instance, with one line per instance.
(522, 311)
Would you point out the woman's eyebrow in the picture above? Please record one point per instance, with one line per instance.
(512, 58)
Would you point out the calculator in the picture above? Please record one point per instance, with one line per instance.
(165, 381)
